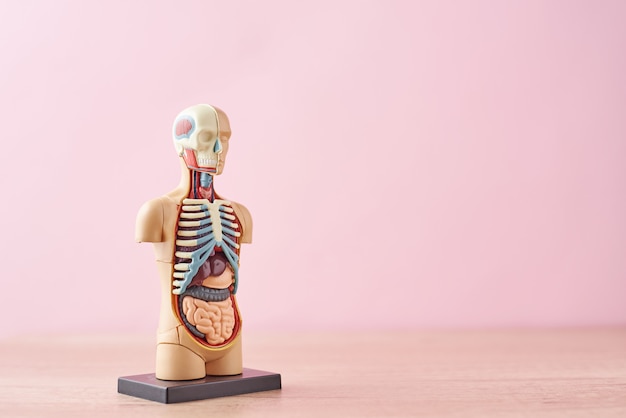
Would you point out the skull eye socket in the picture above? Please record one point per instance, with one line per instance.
(184, 127)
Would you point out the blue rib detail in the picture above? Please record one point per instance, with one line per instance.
(198, 258)
(228, 231)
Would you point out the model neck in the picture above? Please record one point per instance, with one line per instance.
(201, 186)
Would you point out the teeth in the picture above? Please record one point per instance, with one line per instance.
(206, 161)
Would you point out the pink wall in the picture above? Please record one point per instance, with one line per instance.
(407, 164)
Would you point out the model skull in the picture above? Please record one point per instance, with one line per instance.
(201, 135)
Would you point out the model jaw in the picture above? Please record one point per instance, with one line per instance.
(200, 162)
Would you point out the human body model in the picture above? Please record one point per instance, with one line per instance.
(196, 236)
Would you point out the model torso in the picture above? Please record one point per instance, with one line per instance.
(196, 236)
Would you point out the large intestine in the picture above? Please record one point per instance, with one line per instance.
(216, 320)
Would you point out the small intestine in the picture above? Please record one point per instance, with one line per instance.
(214, 319)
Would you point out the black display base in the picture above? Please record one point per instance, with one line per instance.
(147, 386)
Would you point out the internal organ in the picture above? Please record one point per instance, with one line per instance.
(215, 320)
(207, 308)
(211, 271)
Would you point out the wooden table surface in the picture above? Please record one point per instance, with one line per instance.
(527, 373)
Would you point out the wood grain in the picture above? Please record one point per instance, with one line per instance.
(527, 373)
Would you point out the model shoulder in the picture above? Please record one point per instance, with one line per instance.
(243, 214)
(149, 225)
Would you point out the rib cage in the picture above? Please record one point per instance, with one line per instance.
(204, 226)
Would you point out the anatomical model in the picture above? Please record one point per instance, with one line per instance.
(196, 236)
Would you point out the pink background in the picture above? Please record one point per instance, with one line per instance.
(407, 164)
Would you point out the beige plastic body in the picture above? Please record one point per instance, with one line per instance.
(179, 356)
